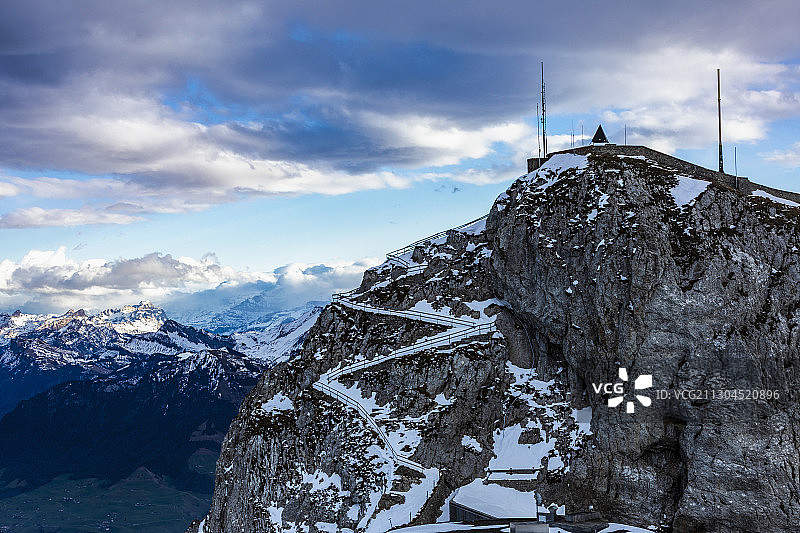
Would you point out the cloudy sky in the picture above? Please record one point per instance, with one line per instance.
(152, 147)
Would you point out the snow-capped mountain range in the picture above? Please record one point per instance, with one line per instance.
(125, 389)
(40, 351)
(109, 339)
(230, 309)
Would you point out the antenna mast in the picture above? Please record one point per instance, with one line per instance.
(719, 120)
(538, 139)
(544, 117)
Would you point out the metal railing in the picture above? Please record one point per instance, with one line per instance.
(445, 338)
(354, 404)
(422, 316)
(513, 471)
(410, 247)
(396, 256)
(336, 296)
(411, 268)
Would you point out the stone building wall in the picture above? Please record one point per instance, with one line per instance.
(739, 183)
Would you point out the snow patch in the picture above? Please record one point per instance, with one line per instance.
(441, 400)
(561, 162)
(497, 501)
(279, 402)
(768, 196)
(471, 444)
(415, 498)
(475, 228)
(550, 171)
(510, 454)
(687, 190)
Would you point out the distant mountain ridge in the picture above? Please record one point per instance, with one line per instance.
(228, 310)
(105, 395)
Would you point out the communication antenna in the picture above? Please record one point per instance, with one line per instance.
(582, 140)
(572, 139)
(544, 117)
(719, 120)
(626, 134)
(538, 139)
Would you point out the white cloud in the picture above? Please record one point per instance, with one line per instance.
(36, 217)
(158, 163)
(157, 159)
(667, 95)
(51, 281)
(789, 158)
(446, 142)
(7, 189)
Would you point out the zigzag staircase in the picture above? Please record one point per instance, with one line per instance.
(461, 328)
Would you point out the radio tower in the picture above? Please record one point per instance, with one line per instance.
(719, 119)
(538, 138)
(544, 117)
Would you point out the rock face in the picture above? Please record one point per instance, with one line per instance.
(608, 269)
(593, 264)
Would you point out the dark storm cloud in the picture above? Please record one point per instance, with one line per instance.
(203, 100)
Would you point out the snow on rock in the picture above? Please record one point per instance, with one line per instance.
(481, 306)
(497, 501)
(320, 480)
(276, 342)
(279, 402)
(510, 454)
(768, 196)
(471, 444)
(561, 162)
(551, 171)
(415, 498)
(687, 190)
(128, 320)
(385, 465)
(133, 319)
(326, 527)
(441, 400)
(144, 346)
(476, 227)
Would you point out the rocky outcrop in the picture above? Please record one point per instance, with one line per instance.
(608, 270)
(593, 264)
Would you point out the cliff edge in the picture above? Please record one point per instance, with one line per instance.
(515, 350)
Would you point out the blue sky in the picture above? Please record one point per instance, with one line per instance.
(161, 148)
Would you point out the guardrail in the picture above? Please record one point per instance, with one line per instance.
(512, 471)
(395, 256)
(336, 296)
(446, 337)
(411, 268)
(422, 316)
(347, 400)
(410, 247)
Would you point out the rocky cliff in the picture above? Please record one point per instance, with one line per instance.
(494, 347)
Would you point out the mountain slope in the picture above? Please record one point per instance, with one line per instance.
(93, 404)
(154, 414)
(605, 263)
(39, 351)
